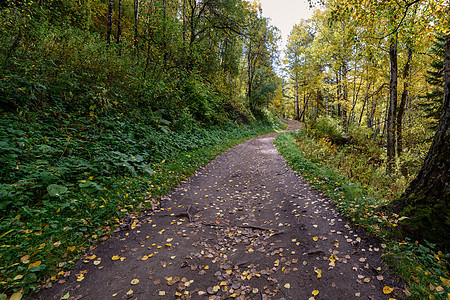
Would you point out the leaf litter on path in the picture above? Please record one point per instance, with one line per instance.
(244, 225)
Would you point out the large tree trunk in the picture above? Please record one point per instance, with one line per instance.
(425, 202)
(390, 125)
(402, 106)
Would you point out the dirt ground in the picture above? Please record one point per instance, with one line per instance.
(245, 227)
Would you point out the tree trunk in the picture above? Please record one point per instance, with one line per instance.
(426, 202)
(136, 21)
(297, 104)
(390, 125)
(109, 29)
(402, 106)
(119, 28)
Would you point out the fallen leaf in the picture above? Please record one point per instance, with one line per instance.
(162, 293)
(315, 292)
(135, 281)
(130, 292)
(315, 239)
(25, 259)
(387, 290)
(115, 257)
(16, 295)
(287, 286)
(319, 273)
(35, 264)
(66, 296)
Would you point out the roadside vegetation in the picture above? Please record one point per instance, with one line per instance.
(350, 170)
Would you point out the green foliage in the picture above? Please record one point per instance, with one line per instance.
(424, 268)
(330, 128)
(435, 78)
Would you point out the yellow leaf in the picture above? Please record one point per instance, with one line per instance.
(35, 264)
(387, 290)
(287, 286)
(57, 244)
(162, 293)
(206, 267)
(115, 257)
(16, 295)
(122, 258)
(71, 249)
(315, 239)
(319, 273)
(134, 281)
(445, 281)
(80, 276)
(18, 277)
(130, 292)
(315, 292)
(168, 245)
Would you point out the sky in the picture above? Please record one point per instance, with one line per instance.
(285, 13)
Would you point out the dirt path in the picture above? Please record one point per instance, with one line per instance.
(257, 231)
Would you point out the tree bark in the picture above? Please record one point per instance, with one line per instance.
(136, 21)
(426, 202)
(109, 29)
(402, 106)
(390, 125)
(119, 28)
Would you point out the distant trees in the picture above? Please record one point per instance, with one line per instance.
(180, 56)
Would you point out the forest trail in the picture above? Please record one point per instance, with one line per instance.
(245, 227)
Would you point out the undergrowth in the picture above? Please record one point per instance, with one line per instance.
(356, 182)
(69, 181)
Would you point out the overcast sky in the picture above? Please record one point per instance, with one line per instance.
(285, 13)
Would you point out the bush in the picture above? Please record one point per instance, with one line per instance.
(330, 128)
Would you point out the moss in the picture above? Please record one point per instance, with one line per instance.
(427, 219)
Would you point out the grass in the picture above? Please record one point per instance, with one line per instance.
(67, 182)
(358, 187)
